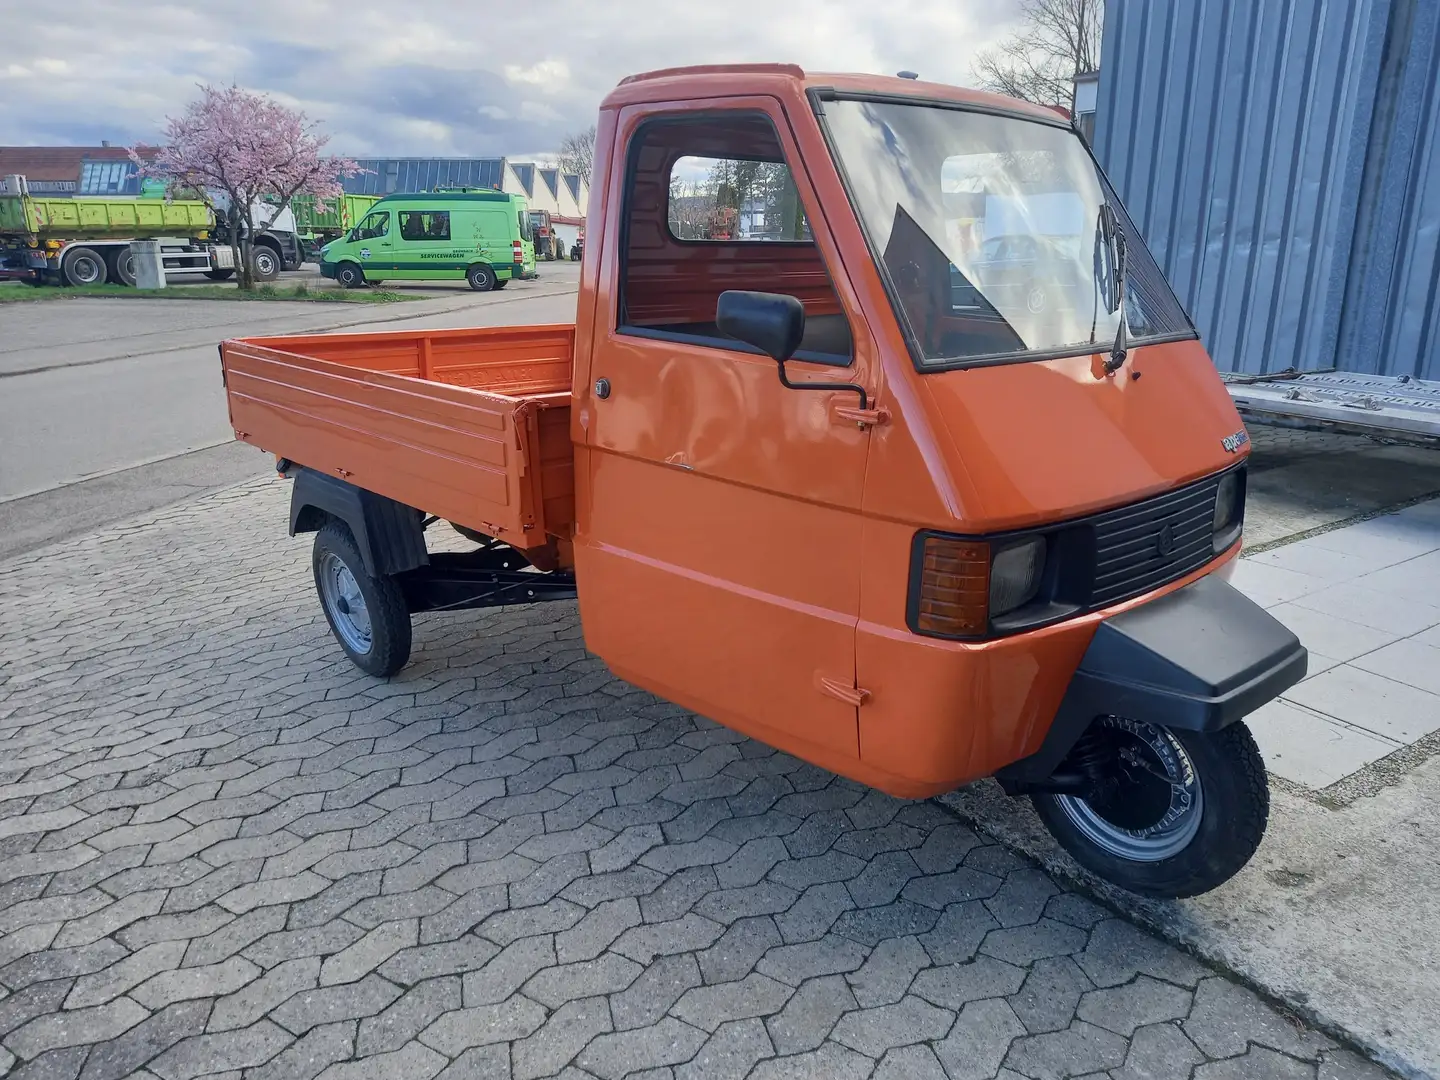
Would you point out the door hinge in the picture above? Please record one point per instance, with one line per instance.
(842, 691)
(863, 417)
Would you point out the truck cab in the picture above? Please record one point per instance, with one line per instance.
(824, 473)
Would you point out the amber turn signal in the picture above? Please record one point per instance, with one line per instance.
(954, 587)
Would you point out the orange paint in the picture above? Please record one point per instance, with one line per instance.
(742, 548)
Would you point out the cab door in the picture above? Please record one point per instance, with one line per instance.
(719, 536)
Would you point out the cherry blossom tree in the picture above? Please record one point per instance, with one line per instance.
(253, 151)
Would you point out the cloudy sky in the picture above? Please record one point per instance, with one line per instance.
(443, 77)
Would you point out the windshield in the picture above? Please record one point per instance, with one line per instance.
(987, 226)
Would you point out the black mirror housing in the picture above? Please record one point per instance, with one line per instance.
(771, 322)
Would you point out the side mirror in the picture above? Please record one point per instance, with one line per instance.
(772, 323)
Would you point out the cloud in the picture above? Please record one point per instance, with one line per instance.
(435, 76)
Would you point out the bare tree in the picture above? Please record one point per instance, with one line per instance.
(1059, 40)
(577, 153)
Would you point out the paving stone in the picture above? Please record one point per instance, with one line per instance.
(729, 1054)
(736, 952)
(463, 915)
(279, 984)
(408, 1016)
(818, 870)
(1026, 944)
(568, 1031)
(1160, 1052)
(810, 1015)
(1055, 1055)
(874, 1031)
(610, 973)
(829, 1062)
(979, 1040)
(830, 955)
(626, 847)
(1259, 1064)
(1339, 1065)
(650, 996)
(1022, 899)
(887, 973)
(331, 1004)
(123, 975)
(184, 984)
(38, 1000)
(668, 1042)
(690, 932)
(1122, 1009)
(956, 985)
(1050, 994)
(121, 1057)
(818, 832)
(417, 904)
(234, 936)
(335, 900)
(372, 950)
(482, 1063)
(274, 891)
(52, 1065)
(313, 941)
(213, 885)
(599, 928)
(1076, 910)
(60, 963)
(410, 966)
(727, 905)
(545, 883)
(508, 970)
(507, 1021)
(75, 1027)
(909, 1063)
(1118, 951)
(414, 1062)
(310, 1055)
(873, 925)
(108, 920)
(175, 927)
(1225, 1017)
(709, 1006)
(813, 915)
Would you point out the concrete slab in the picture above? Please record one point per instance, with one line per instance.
(1408, 661)
(1309, 748)
(1339, 639)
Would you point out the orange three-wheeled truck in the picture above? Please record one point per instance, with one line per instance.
(920, 472)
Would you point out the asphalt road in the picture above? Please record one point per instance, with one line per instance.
(110, 408)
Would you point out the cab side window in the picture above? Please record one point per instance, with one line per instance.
(710, 205)
(425, 224)
(374, 225)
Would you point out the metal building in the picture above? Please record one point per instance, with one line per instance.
(1282, 159)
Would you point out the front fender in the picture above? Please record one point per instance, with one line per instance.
(1199, 659)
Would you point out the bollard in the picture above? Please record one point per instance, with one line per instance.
(149, 266)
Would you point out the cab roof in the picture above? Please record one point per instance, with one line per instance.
(718, 80)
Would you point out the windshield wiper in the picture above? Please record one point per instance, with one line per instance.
(1115, 237)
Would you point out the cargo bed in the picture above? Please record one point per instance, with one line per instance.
(472, 426)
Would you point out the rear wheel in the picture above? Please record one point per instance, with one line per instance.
(1170, 813)
(480, 277)
(500, 283)
(122, 266)
(366, 612)
(349, 275)
(83, 266)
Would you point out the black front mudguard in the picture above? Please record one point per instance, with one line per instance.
(1197, 659)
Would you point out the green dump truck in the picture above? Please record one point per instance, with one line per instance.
(63, 240)
(316, 228)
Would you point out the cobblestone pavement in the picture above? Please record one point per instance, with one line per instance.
(224, 852)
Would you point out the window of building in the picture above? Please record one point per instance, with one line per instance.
(425, 224)
(711, 205)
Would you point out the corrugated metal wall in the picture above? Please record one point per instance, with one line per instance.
(1282, 158)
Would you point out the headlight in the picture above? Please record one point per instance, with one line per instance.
(1229, 508)
(1015, 575)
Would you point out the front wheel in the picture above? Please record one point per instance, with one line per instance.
(366, 612)
(348, 275)
(1171, 813)
(265, 263)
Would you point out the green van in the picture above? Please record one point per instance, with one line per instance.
(482, 237)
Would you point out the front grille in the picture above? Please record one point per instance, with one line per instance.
(1148, 544)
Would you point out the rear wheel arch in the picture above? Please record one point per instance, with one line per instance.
(388, 535)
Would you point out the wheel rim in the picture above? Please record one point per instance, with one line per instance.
(1153, 807)
(85, 270)
(127, 267)
(345, 603)
(264, 264)
(1035, 301)
(348, 276)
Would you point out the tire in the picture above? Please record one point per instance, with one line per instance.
(264, 263)
(83, 266)
(480, 277)
(375, 632)
(122, 266)
(500, 283)
(349, 275)
(1223, 807)
(220, 275)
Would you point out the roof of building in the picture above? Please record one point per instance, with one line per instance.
(55, 162)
